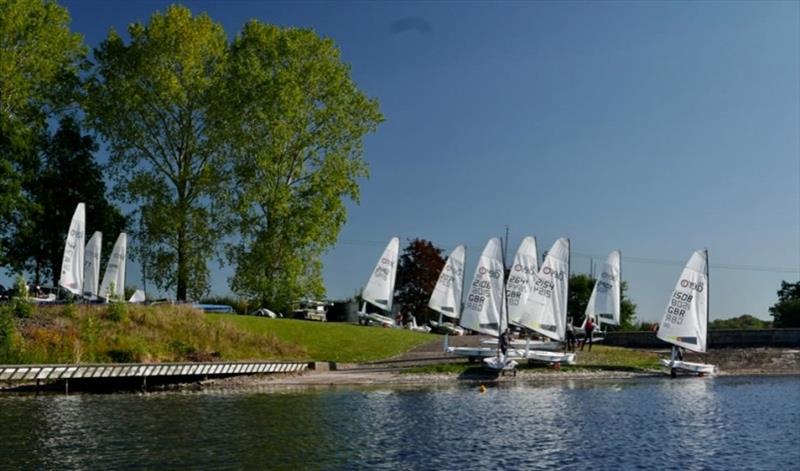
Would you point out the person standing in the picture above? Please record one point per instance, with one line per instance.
(570, 335)
(589, 328)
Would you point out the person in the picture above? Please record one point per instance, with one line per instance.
(570, 335)
(504, 343)
(589, 328)
(398, 319)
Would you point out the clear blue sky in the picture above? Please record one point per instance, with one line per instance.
(656, 128)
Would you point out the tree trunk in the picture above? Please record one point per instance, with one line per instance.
(182, 275)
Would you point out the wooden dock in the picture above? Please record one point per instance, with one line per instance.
(143, 371)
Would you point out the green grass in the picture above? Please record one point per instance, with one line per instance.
(328, 341)
(601, 358)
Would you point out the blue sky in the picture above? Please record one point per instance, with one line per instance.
(656, 128)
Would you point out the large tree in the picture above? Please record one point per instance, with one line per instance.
(580, 290)
(786, 311)
(417, 272)
(39, 63)
(66, 174)
(156, 100)
(297, 123)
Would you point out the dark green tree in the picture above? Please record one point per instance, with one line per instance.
(296, 126)
(155, 100)
(66, 174)
(418, 269)
(786, 312)
(580, 290)
(745, 321)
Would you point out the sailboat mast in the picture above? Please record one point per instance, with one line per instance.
(463, 283)
(708, 299)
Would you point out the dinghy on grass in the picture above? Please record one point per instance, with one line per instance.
(113, 285)
(446, 296)
(91, 272)
(604, 303)
(72, 263)
(380, 288)
(685, 321)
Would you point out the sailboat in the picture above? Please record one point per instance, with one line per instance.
(446, 296)
(138, 296)
(485, 309)
(91, 271)
(545, 310)
(72, 263)
(113, 285)
(380, 288)
(685, 321)
(604, 303)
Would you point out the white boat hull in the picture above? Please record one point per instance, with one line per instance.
(499, 364)
(550, 357)
(447, 327)
(687, 366)
(376, 319)
(520, 344)
(514, 353)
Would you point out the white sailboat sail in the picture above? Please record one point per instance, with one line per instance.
(138, 296)
(548, 298)
(446, 296)
(91, 271)
(380, 287)
(72, 263)
(484, 307)
(521, 279)
(115, 270)
(604, 303)
(685, 320)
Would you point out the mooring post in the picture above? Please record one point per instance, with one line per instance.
(66, 386)
(144, 383)
(37, 386)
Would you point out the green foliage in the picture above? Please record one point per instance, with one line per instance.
(155, 100)
(580, 290)
(786, 311)
(8, 334)
(39, 63)
(66, 175)
(418, 271)
(745, 321)
(116, 312)
(290, 88)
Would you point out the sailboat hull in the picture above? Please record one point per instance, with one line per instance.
(499, 364)
(373, 318)
(551, 357)
(689, 367)
(446, 328)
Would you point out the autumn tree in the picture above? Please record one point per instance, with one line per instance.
(786, 312)
(66, 174)
(296, 126)
(418, 269)
(156, 100)
(580, 290)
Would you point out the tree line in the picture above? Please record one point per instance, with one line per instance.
(240, 151)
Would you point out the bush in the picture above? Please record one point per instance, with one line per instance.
(21, 308)
(116, 312)
(8, 335)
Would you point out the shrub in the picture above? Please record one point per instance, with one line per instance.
(116, 312)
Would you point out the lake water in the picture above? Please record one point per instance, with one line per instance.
(653, 423)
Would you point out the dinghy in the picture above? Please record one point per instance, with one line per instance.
(604, 302)
(380, 288)
(72, 263)
(138, 296)
(544, 311)
(113, 285)
(91, 271)
(446, 296)
(685, 321)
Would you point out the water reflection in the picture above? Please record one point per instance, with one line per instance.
(653, 423)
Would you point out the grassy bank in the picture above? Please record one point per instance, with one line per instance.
(333, 341)
(601, 358)
(165, 333)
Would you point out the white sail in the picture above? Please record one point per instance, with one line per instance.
(72, 263)
(521, 279)
(484, 306)
(685, 320)
(115, 270)
(91, 271)
(446, 296)
(604, 303)
(380, 287)
(138, 297)
(548, 299)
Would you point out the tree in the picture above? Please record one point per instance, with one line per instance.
(580, 290)
(66, 174)
(745, 321)
(417, 272)
(156, 101)
(297, 122)
(39, 63)
(786, 312)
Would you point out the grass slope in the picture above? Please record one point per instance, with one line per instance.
(128, 333)
(329, 341)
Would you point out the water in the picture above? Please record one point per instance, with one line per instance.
(655, 423)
